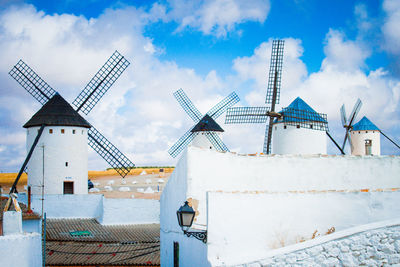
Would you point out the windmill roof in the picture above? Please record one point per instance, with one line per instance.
(365, 124)
(57, 112)
(302, 111)
(207, 124)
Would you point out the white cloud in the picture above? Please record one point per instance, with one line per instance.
(341, 79)
(390, 28)
(138, 114)
(212, 17)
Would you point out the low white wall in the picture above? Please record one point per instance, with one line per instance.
(69, 206)
(208, 170)
(24, 250)
(130, 211)
(260, 222)
(375, 244)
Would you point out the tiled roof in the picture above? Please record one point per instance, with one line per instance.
(93, 244)
(25, 214)
(94, 254)
(57, 112)
(365, 124)
(59, 230)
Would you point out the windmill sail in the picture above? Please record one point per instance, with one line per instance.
(187, 105)
(246, 115)
(100, 83)
(275, 73)
(223, 105)
(31, 82)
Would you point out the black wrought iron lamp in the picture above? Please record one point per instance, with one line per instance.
(185, 216)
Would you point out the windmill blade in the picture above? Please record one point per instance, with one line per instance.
(268, 137)
(354, 112)
(32, 83)
(223, 105)
(246, 115)
(346, 135)
(216, 141)
(100, 83)
(109, 152)
(188, 105)
(182, 143)
(275, 73)
(390, 140)
(343, 115)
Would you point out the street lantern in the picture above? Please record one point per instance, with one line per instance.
(185, 216)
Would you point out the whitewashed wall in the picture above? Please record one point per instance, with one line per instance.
(130, 211)
(192, 252)
(49, 158)
(200, 171)
(24, 250)
(209, 170)
(69, 206)
(260, 222)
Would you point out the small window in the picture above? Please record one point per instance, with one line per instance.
(66, 164)
(73, 131)
(82, 131)
(284, 127)
(50, 131)
(359, 132)
(62, 131)
(210, 147)
(311, 126)
(298, 126)
(366, 131)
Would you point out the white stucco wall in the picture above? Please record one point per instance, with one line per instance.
(130, 211)
(69, 206)
(260, 222)
(56, 149)
(293, 140)
(191, 250)
(358, 142)
(200, 171)
(24, 250)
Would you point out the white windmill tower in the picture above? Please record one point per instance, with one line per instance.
(57, 136)
(365, 138)
(61, 156)
(206, 133)
(296, 129)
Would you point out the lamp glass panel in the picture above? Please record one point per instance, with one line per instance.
(187, 219)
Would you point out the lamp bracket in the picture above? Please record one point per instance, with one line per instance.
(200, 235)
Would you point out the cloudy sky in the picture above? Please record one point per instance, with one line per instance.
(334, 53)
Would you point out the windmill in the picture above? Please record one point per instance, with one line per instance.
(297, 114)
(84, 102)
(205, 126)
(363, 136)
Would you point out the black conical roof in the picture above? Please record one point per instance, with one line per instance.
(57, 112)
(207, 124)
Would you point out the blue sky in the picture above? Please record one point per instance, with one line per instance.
(335, 52)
